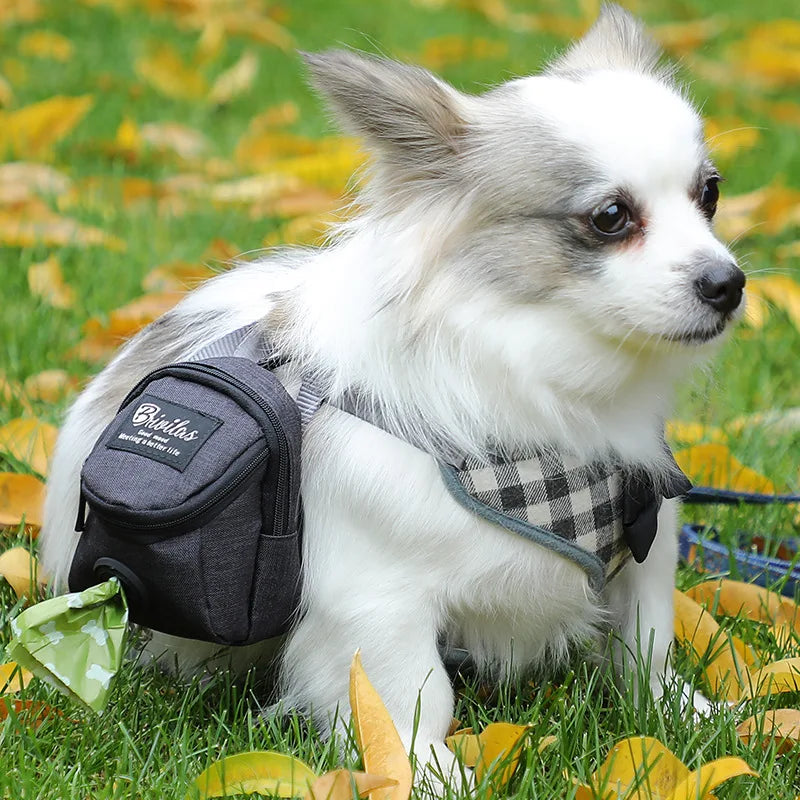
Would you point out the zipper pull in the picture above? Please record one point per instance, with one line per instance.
(80, 522)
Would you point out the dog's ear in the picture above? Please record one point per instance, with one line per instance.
(617, 40)
(404, 113)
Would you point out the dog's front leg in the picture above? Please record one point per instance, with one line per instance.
(398, 644)
(641, 600)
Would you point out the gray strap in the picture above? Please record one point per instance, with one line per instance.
(308, 400)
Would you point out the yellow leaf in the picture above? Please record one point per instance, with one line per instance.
(770, 210)
(13, 678)
(338, 785)
(254, 188)
(256, 26)
(275, 117)
(725, 661)
(31, 132)
(684, 37)
(173, 137)
(310, 229)
(378, 741)
(771, 53)
(234, 81)
(46, 281)
(332, 169)
(714, 465)
(262, 771)
(45, 227)
(177, 276)
(6, 92)
(776, 678)
(211, 42)
(781, 291)
(781, 725)
(46, 44)
(258, 149)
(20, 496)
(702, 781)
(50, 385)
(728, 136)
(167, 73)
(467, 746)
(20, 570)
(500, 745)
(20, 181)
(692, 433)
(441, 51)
(129, 319)
(128, 136)
(30, 441)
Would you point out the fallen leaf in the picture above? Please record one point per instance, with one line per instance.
(21, 496)
(442, 51)
(780, 291)
(683, 433)
(6, 93)
(781, 726)
(725, 657)
(185, 142)
(32, 131)
(714, 465)
(682, 38)
(262, 771)
(13, 678)
(177, 276)
(782, 420)
(775, 678)
(500, 748)
(46, 281)
(211, 42)
(20, 181)
(47, 228)
(727, 136)
(338, 785)
(21, 572)
(770, 53)
(378, 741)
(234, 81)
(30, 712)
(770, 210)
(275, 117)
(702, 781)
(258, 150)
(254, 188)
(46, 44)
(129, 319)
(164, 69)
(50, 385)
(309, 229)
(466, 746)
(30, 441)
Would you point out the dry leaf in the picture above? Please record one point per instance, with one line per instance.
(21, 571)
(255, 188)
(21, 496)
(31, 132)
(46, 44)
(378, 741)
(775, 678)
(185, 142)
(466, 746)
(234, 81)
(129, 319)
(275, 117)
(781, 726)
(47, 228)
(685, 433)
(338, 785)
(6, 93)
(30, 441)
(768, 210)
(164, 69)
(177, 276)
(13, 678)
(30, 712)
(211, 42)
(499, 747)
(656, 773)
(46, 282)
(20, 181)
(257, 150)
(441, 51)
(727, 136)
(778, 290)
(714, 465)
(309, 229)
(50, 385)
(725, 656)
(262, 771)
(683, 38)
(771, 53)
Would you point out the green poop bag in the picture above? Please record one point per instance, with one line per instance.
(75, 642)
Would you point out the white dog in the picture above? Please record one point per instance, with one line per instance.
(532, 267)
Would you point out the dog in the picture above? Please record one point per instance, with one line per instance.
(530, 267)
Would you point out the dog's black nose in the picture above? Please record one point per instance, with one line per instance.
(720, 286)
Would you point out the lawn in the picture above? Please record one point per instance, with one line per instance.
(198, 139)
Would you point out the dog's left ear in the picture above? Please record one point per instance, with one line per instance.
(405, 114)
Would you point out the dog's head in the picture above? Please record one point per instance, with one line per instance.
(587, 188)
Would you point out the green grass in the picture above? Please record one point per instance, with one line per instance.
(157, 734)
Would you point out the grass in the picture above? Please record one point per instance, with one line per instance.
(157, 734)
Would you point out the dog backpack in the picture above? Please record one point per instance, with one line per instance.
(191, 499)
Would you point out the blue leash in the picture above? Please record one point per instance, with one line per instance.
(706, 495)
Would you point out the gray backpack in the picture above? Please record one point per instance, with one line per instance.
(191, 498)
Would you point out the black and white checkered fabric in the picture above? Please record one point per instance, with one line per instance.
(580, 503)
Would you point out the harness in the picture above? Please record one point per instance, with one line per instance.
(597, 515)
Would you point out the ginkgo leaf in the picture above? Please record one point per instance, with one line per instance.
(31, 132)
(21, 572)
(259, 28)
(183, 141)
(683, 433)
(500, 744)
(177, 276)
(775, 678)
(378, 741)
(725, 657)
(30, 441)
(129, 319)
(46, 44)
(467, 746)
(234, 81)
(164, 69)
(22, 180)
(47, 228)
(702, 781)
(211, 42)
(46, 281)
(728, 136)
(780, 291)
(21, 496)
(771, 52)
(441, 51)
(714, 465)
(339, 784)
(256, 151)
(254, 188)
(50, 385)
(13, 678)
(781, 726)
(262, 771)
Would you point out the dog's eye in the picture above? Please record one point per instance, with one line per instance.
(612, 219)
(709, 197)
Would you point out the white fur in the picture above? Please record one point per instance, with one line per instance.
(399, 305)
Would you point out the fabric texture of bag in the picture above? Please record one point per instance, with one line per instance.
(192, 500)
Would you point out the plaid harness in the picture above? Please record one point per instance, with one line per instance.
(597, 515)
